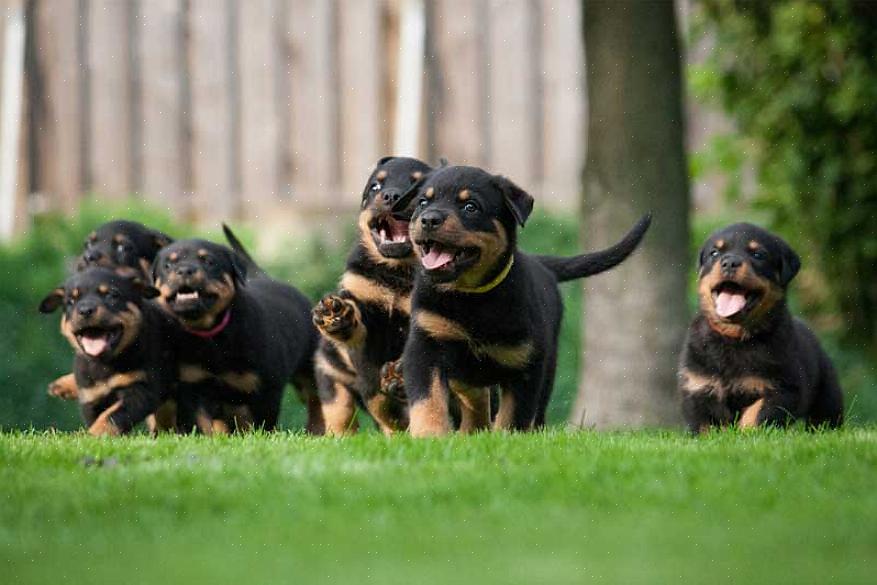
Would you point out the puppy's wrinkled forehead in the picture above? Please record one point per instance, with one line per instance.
(460, 182)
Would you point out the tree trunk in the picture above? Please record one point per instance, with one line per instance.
(635, 315)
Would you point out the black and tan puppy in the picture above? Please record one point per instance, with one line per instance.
(244, 337)
(365, 324)
(746, 359)
(483, 312)
(126, 247)
(124, 365)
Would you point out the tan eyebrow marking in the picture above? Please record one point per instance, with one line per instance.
(174, 256)
(202, 253)
(463, 195)
(753, 245)
(720, 244)
(416, 175)
(103, 289)
(92, 236)
(430, 193)
(75, 293)
(118, 238)
(381, 175)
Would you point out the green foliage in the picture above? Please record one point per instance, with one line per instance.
(799, 78)
(556, 507)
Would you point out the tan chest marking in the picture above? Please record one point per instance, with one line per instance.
(368, 291)
(514, 356)
(694, 383)
(245, 382)
(114, 382)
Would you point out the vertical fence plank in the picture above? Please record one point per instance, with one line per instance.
(260, 110)
(564, 78)
(513, 99)
(110, 96)
(213, 155)
(59, 137)
(458, 65)
(160, 48)
(313, 141)
(360, 121)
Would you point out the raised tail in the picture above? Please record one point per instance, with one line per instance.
(570, 268)
(238, 247)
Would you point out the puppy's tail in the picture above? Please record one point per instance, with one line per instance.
(238, 247)
(570, 268)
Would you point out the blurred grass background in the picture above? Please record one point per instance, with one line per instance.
(32, 352)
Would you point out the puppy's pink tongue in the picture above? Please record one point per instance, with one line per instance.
(728, 304)
(94, 346)
(436, 258)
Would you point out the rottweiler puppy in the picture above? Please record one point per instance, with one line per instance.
(124, 364)
(483, 312)
(746, 360)
(365, 324)
(244, 338)
(128, 248)
(125, 246)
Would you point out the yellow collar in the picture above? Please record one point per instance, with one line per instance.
(492, 284)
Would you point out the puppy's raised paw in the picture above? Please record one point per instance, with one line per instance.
(336, 316)
(392, 382)
(64, 388)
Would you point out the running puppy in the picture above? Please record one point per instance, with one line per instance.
(124, 365)
(483, 312)
(243, 337)
(128, 248)
(746, 359)
(365, 324)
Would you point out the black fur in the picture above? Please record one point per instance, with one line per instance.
(758, 365)
(267, 342)
(135, 372)
(472, 327)
(122, 245)
(362, 332)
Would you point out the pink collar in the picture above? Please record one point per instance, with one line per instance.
(211, 332)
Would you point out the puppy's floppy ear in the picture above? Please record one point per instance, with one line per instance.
(52, 301)
(384, 159)
(405, 200)
(160, 240)
(146, 290)
(790, 263)
(518, 201)
(239, 267)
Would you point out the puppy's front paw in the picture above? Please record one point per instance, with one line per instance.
(335, 316)
(64, 388)
(391, 379)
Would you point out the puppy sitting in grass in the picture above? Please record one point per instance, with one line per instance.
(746, 360)
(124, 366)
(484, 313)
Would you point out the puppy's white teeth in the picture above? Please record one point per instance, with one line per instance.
(383, 234)
(192, 296)
(399, 239)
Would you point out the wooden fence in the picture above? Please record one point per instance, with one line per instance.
(276, 109)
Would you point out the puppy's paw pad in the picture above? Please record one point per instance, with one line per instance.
(334, 314)
(391, 378)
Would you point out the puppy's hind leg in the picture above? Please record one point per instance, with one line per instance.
(520, 401)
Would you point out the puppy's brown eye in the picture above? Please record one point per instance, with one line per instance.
(759, 254)
(376, 186)
(470, 207)
(714, 252)
(422, 203)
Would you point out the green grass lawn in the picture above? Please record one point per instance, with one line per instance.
(765, 507)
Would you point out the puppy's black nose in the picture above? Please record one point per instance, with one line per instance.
(432, 219)
(390, 196)
(185, 270)
(85, 309)
(91, 255)
(731, 262)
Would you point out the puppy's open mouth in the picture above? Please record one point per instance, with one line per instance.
(188, 300)
(97, 341)
(732, 300)
(391, 236)
(437, 257)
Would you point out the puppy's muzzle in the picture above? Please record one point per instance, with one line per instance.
(431, 220)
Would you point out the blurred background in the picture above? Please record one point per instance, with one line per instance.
(270, 114)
